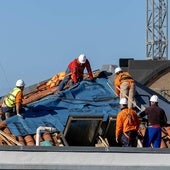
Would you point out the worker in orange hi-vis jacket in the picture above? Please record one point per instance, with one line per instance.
(127, 124)
(124, 86)
(75, 71)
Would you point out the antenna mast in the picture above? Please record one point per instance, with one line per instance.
(157, 30)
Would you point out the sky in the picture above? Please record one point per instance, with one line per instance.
(38, 38)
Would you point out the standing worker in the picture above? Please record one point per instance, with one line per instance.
(124, 86)
(12, 103)
(75, 71)
(127, 124)
(156, 119)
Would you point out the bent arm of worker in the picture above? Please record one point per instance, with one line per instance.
(88, 67)
(18, 106)
(91, 76)
(18, 102)
(119, 126)
(142, 114)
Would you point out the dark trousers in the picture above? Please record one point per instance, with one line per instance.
(64, 81)
(7, 112)
(129, 139)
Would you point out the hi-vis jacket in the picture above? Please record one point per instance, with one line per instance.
(15, 96)
(120, 78)
(77, 70)
(127, 120)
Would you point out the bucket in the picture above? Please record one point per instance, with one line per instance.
(47, 136)
(46, 143)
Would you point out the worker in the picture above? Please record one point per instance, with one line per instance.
(156, 118)
(124, 86)
(12, 103)
(75, 71)
(127, 124)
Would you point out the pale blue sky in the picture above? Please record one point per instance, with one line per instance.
(38, 38)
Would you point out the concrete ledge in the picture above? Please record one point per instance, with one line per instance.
(83, 158)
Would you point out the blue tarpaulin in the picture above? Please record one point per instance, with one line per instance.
(87, 98)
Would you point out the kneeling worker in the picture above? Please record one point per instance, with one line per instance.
(12, 103)
(75, 70)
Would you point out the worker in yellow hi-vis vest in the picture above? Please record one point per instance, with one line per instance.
(12, 103)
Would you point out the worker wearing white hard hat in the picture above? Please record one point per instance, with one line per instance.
(124, 85)
(12, 103)
(123, 101)
(75, 71)
(82, 58)
(154, 98)
(20, 83)
(127, 124)
(117, 70)
(156, 118)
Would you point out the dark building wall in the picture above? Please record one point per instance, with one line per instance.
(151, 73)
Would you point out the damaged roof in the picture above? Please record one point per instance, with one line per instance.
(93, 100)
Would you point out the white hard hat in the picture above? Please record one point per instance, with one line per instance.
(82, 58)
(118, 69)
(20, 83)
(154, 98)
(123, 101)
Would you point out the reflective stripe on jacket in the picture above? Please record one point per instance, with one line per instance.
(10, 98)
